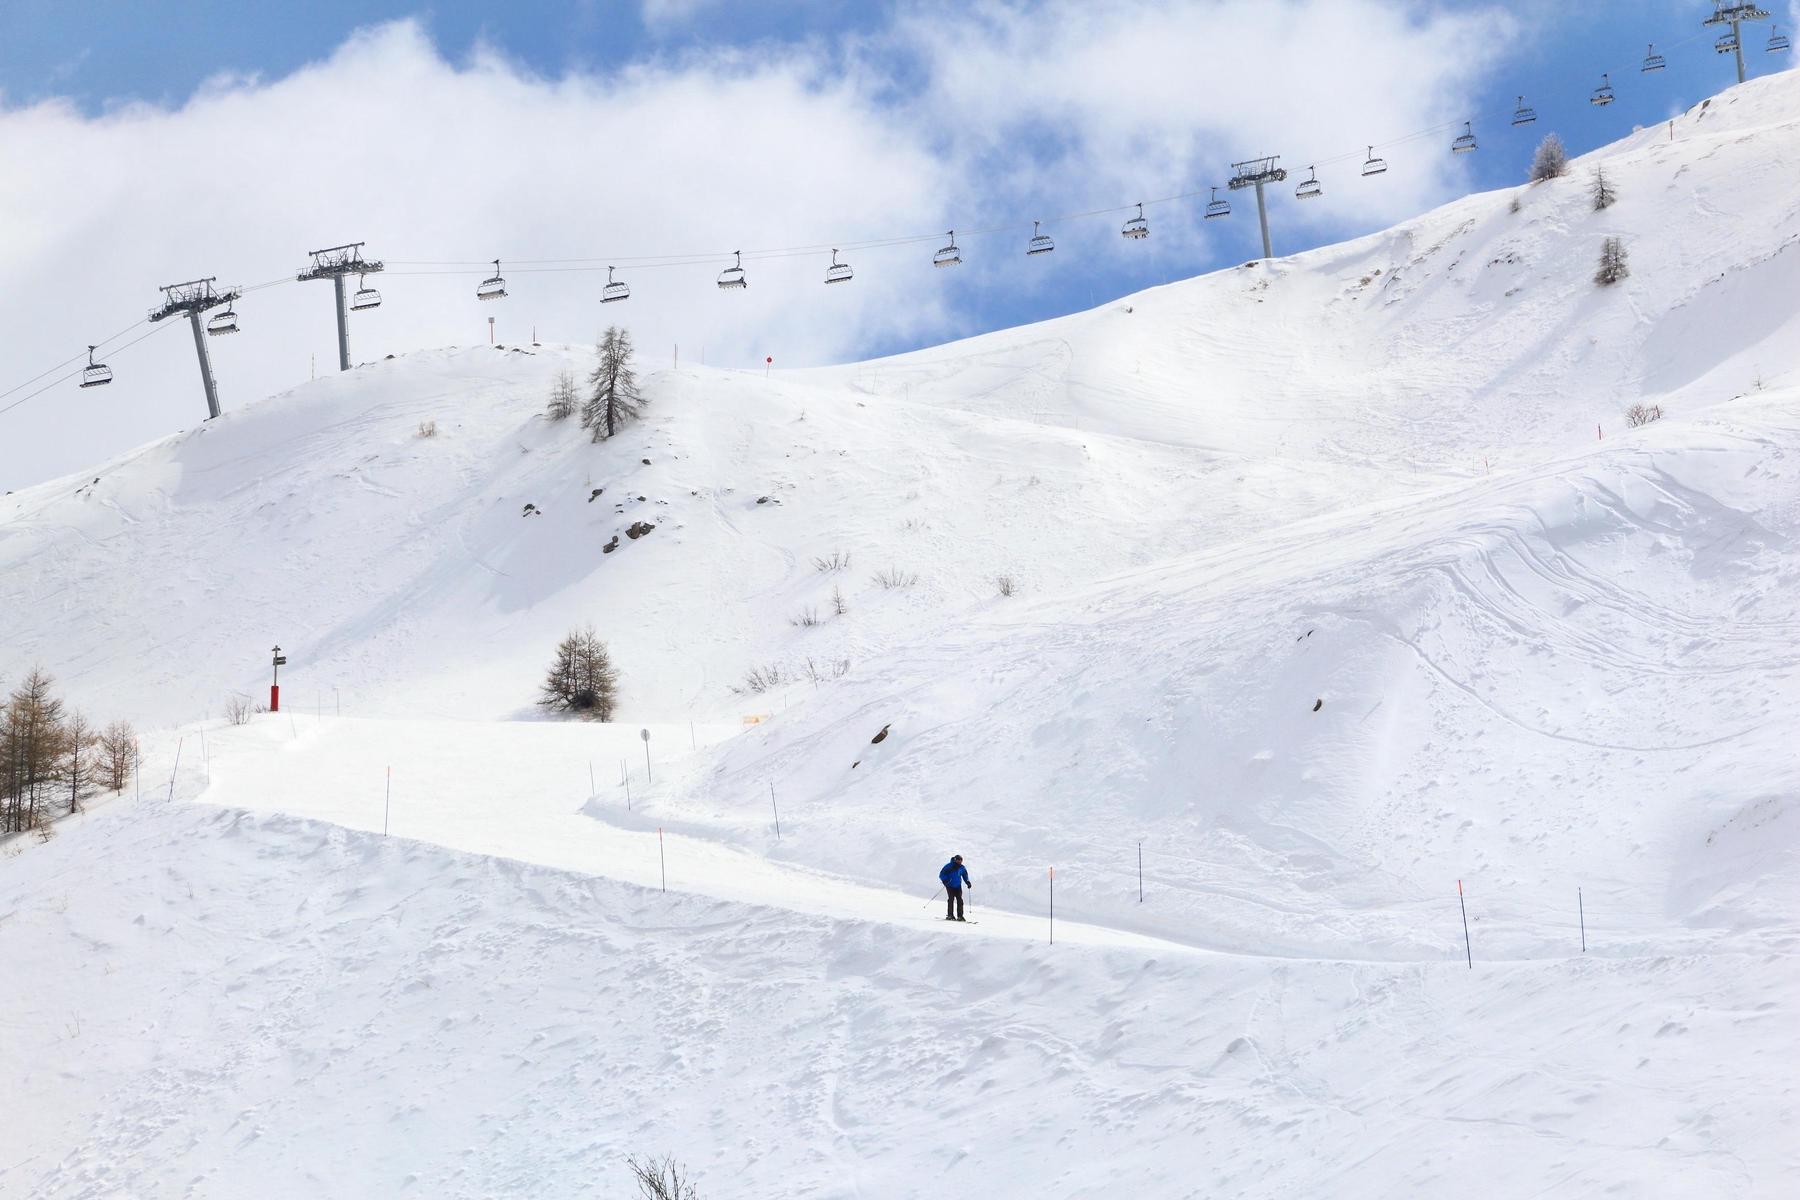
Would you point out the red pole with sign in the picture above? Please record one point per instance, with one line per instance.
(275, 683)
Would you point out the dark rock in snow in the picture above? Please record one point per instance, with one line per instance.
(638, 530)
(646, 462)
(610, 546)
(595, 494)
(1318, 704)
(880, 737)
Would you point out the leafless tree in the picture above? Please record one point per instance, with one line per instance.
(118, 755)
(582, 679)
(615, 397)
(1602, 190)
(1612, 262)
(1550, 161)
(563, 397)
(31, 751)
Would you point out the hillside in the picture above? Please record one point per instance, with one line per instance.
(1350, 610)
(401, 572)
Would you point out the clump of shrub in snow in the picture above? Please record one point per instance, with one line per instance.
(758, 680)
(1642, 414)
(894, 577)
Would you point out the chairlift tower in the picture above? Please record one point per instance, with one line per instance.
(336, 264)
(1727, 13)
(1254, 173)
(194, 298)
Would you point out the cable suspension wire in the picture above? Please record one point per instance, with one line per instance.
(60, 379)
(454, 267)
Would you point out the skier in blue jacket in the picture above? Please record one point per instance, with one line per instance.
(954, 877)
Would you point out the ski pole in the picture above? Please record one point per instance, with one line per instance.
(934, 897)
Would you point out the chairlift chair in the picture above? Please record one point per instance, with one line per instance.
(1727, 43)
(493, 288)
(1603, 95)
(1524, 114)
(733, 276)
(1217, 207)
(1309, 187)
(949, 256)
(837, 272)
(1652, 60)
(1137, 227)
(1373, 165)
(95, 374)
(1040, 242)
(1778, 41)
(365, 298)
(614, 290)
(1465, 141)
(222, 323)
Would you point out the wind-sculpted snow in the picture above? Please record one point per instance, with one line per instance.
(1574, 679)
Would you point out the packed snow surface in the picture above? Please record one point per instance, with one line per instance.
(1342, 587)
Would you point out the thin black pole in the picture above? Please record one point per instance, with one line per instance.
(661, 858)
(176, 768)
(1581, 909)
(1467, 948)
(775, 810)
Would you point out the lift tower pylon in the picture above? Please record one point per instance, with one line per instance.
(194, 298)
(337, 263)
(1726, 12)
(1254, 174)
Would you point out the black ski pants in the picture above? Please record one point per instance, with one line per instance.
(953, 904)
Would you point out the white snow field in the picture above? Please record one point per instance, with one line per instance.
(1341, 580)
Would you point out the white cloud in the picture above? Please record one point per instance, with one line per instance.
(942, 118)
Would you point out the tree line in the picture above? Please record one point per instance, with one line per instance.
(52, 758)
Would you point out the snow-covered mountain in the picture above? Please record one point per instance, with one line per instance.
(1343, 583)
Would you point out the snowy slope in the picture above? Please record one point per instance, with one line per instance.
(1332, 599)
(400, 570)
(252, 1005)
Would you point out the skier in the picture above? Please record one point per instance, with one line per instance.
(954, 877)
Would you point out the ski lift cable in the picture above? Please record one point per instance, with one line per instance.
(697, 258)
(65, 377)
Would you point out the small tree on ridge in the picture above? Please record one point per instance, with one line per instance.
(615, 398)
(1551, 159)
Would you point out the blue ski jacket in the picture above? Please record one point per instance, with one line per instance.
(954, 875)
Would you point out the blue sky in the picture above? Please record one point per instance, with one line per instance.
(169, 141)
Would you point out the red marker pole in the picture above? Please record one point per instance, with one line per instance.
(768, 361)
(1467, 949)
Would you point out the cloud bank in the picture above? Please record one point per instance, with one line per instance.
(950, 115)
